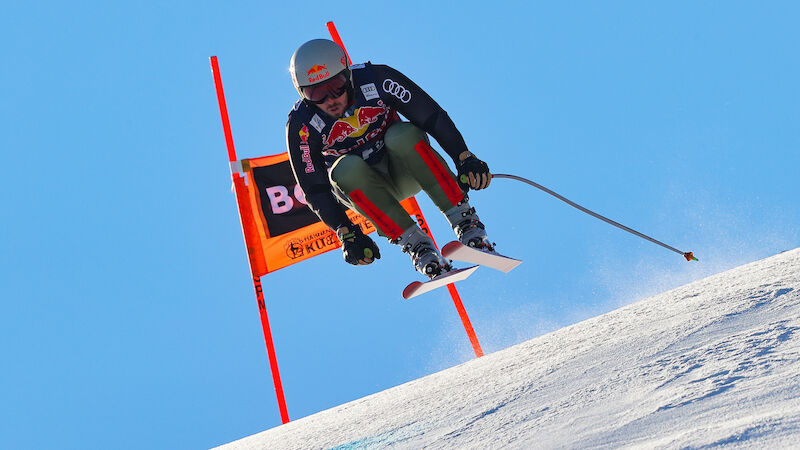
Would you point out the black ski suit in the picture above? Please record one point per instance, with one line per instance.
(315, 140)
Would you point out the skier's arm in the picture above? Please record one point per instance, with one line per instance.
(312, 176)
(423, 111)
(419, 108)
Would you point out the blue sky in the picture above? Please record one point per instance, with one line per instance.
(128, 317)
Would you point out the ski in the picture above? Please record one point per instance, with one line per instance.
(460, 252)
(420, 287)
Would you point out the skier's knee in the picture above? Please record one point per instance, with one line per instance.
(347, 171)
(403, 136)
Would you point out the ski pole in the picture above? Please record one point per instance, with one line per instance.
(688, 255)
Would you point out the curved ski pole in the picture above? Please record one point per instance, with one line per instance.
(688, 255)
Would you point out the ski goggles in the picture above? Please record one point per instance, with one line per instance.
(333, 88)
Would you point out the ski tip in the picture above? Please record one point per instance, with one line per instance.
(449, 247)
(409, 291)
(690, 257)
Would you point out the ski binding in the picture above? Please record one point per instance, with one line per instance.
(460, 252)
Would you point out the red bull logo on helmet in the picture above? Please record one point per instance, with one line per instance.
(318, 72)
(353, 126)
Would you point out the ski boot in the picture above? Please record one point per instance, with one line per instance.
(469, 230)
(426, 257)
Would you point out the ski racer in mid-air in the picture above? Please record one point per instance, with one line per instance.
(349, 149)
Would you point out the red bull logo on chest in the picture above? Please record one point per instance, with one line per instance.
(354, 126)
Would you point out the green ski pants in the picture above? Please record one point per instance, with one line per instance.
(408, 166)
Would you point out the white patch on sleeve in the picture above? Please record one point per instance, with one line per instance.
(317, 123)
(370, 91)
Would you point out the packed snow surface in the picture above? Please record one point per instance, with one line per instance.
(713, 363)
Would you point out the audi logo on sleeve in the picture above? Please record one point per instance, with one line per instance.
(394, 88)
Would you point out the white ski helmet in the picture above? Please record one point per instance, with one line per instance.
(316, 61)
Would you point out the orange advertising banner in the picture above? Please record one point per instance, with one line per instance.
(286, 228)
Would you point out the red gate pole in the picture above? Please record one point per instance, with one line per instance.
(462, 312)
(245, 216)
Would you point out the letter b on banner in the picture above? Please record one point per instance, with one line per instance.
(280, 200)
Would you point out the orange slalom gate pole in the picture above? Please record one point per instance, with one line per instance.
(462, 312)
(245, 216)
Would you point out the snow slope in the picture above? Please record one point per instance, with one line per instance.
(711, 363)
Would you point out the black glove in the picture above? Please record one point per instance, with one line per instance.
(473, 173)
(357, 247)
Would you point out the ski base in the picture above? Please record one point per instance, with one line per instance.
(460, 252)
(420, 287)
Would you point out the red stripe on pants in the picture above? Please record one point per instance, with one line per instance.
(451, 188)
(378, 217)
